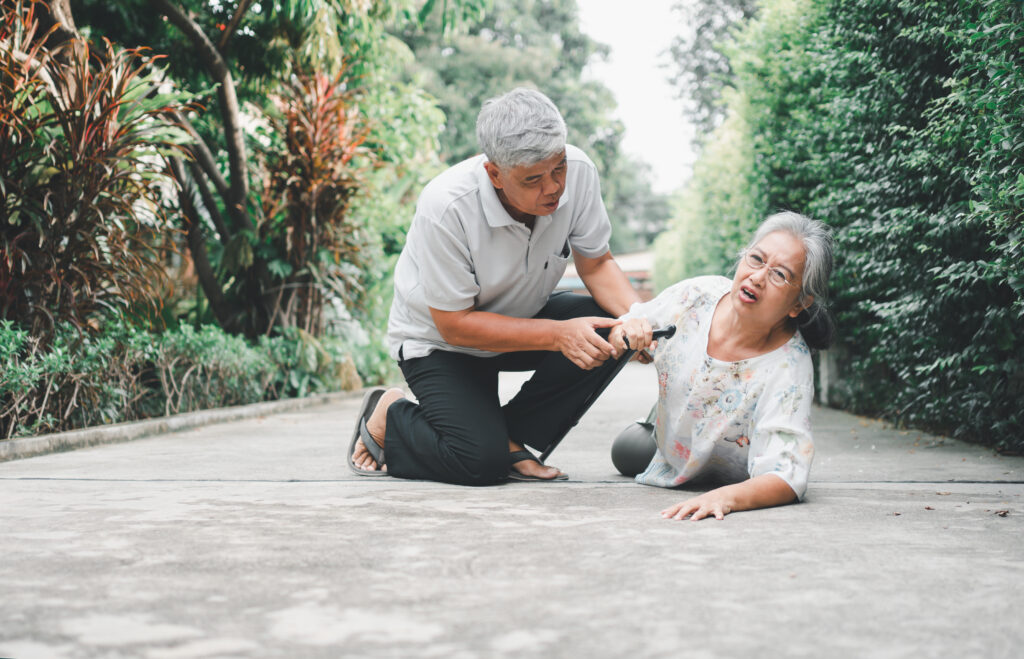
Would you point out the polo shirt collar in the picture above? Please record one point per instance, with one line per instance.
(495, 213)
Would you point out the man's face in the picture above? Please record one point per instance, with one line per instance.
(530, 190)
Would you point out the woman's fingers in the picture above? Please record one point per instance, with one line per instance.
(634, 334)
(648, 333)
(709, 508)
(618, 340)
(640, 333)
(680, 510)
(695, 509)
(688, 511)
(671, 510)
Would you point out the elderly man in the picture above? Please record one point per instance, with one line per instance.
(474, 296)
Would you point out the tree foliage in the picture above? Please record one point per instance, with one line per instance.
(701, 66)
(281, 191)
(537, 43)
(248, 60)
(294, 173)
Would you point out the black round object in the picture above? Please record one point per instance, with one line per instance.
(633, 449)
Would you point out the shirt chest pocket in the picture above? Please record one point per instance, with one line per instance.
(554, 267)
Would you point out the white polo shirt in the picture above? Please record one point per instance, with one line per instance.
(465, 251)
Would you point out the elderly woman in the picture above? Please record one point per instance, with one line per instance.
(736, 382)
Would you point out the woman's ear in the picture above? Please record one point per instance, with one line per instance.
(800, 306)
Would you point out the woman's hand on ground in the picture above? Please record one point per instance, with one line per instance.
(715, 503)
(757, 492)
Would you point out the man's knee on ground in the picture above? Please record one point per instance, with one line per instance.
(487, 468)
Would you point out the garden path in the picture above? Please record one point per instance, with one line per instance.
(251, 538)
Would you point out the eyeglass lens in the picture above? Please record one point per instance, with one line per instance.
(776, 276)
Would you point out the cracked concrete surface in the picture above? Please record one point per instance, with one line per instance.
(251, 539)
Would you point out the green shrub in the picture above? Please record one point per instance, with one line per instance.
(123, 374)
(901, 124)
(908, 154)
(208, 368)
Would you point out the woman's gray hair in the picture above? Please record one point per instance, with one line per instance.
(815, 322)
(521, 127)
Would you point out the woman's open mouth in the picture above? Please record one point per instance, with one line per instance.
(747, 294)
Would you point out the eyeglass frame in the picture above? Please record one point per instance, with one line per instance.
(745, 256)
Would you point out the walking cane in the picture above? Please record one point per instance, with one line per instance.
(663, 333)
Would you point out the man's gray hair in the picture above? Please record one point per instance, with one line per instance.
(815, 322)
(519, 128)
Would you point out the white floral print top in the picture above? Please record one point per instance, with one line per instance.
(725, 420)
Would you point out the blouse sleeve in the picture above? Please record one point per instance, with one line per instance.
(663, 309)
(781, 442)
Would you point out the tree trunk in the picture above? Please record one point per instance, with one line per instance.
(57, 13)
(219, 305)
(234, 191)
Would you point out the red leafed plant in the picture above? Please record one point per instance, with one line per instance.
(82, 141)
(316, 251)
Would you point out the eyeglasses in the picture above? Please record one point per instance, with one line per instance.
(776, 276)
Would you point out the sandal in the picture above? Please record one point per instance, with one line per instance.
(375, 450)
(523, 455)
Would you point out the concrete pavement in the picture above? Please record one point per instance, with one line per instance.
(251, 539)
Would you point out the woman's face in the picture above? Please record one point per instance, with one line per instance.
(754, 295)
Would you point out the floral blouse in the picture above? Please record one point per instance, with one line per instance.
(725, 420)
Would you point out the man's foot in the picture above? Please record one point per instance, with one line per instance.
(532, 469)
(376, 425)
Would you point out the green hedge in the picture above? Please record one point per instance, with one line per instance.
(125, 374)
(901, 124)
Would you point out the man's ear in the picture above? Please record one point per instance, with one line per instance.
(800, 306)
(493, 173)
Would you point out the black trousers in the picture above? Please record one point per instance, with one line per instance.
(459, 431)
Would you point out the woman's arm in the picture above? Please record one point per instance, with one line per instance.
(761, 491)
(638, 323)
